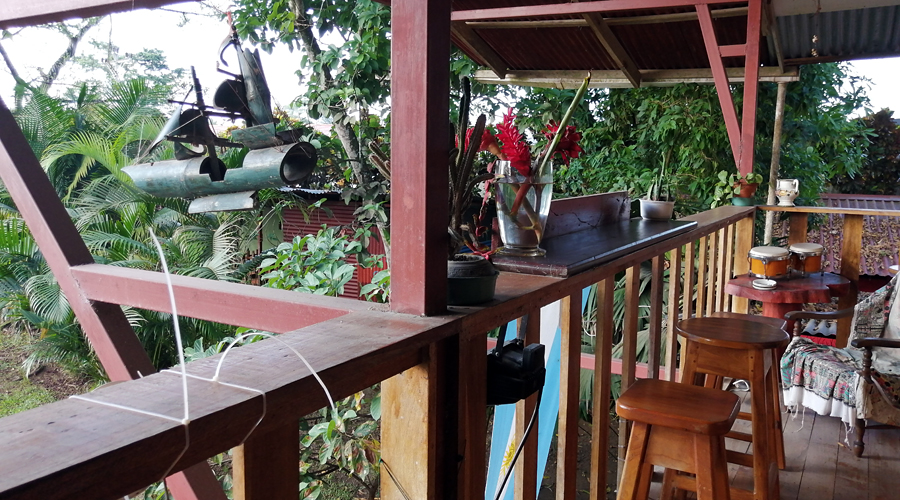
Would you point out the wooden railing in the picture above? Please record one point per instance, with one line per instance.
(122, 437)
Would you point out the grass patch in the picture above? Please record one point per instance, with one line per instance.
(24, 397)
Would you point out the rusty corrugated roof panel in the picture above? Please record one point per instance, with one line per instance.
(843, 34)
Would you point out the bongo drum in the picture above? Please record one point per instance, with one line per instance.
(806, 258)
(769, 262)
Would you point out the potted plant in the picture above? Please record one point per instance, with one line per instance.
(470, 276)
(735, 187)
(659, 203)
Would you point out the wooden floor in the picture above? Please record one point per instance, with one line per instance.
(820, 466)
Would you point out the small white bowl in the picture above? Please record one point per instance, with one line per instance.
(764, 284)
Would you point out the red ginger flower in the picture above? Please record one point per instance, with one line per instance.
(514, 146)
(568, 142)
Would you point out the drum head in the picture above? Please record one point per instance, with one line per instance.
(809, 248)
(768, 252)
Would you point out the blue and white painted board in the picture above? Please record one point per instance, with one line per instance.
(503, 434)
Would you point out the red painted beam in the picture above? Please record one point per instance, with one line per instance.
(420, 107)
(751, 83)
(27, 13)
(558, 9)
(266, 309)
(723, 89)
(733, 50)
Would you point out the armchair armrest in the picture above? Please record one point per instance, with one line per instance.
(867, 344)
(833, 315)
(874, 342)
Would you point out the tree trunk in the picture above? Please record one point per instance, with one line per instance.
(343, 130)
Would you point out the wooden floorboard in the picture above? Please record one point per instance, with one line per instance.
(817, 482)
(797, 431)
(883, 455)
(852, 474)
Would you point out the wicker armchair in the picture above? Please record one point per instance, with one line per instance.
(862, 386)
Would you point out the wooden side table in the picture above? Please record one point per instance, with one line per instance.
(790, 294)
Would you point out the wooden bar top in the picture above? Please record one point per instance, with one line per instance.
(572, 253)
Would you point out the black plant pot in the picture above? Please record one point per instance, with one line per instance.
(470, 280)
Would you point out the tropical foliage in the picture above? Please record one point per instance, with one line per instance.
(83, 146)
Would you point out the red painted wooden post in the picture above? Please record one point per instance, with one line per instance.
(420, 51)
(721, 80)
(751, 83)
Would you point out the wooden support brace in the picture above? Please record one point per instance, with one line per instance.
(419, 427)
(614, 47)
(266, 465)
(721, 79)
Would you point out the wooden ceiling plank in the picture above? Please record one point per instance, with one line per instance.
(615, 49)
(612, 21)
(614, 79)
(477, 45)
(562, 9)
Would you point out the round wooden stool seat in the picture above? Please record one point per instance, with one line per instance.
(732, 333)
(696, 409)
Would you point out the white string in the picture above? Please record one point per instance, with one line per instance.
(309, 367)
(165, 267)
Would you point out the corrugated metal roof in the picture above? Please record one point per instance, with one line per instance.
(845, 29)
(846, 34)
(880, 240)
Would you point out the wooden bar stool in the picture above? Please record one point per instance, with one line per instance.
(774, 381)
(742, 348)
(680, 427)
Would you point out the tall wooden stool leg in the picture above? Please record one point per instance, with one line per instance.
(775, 389)
(629, 485)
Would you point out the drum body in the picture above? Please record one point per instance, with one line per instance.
(769, 262)
(806, 258)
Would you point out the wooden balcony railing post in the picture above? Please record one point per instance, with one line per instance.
(602, 376)
(742, 245)
(629, 348)
(569, 385)
(702, 267)
(798, 226)
(711, 274)
(265, 466)
(729, 266)
(850, 250)
(656, 313)
(672, 316)
(473, 418)
(721, 259)
(690, 258)
(419, 427)
(526, 468)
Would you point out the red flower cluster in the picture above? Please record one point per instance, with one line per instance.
(514, 146)
(568, 142)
